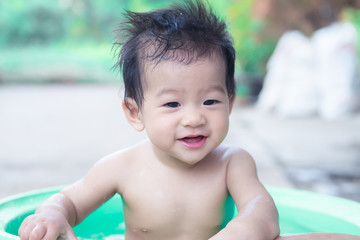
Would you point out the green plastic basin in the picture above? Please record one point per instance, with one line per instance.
(299, 212)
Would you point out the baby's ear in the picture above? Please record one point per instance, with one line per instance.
(133, 114)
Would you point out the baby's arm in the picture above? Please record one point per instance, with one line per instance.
(58, 214)
(258, 217)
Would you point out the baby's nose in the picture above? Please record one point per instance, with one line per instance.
(193, 118)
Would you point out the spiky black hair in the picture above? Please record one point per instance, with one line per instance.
(183, 33)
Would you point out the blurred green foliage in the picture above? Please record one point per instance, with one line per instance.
(353, 15)
(47, 35)
(44, 22)
(43, 34)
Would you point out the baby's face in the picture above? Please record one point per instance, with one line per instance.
(186, 108)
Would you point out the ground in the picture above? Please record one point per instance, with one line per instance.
(52, 134)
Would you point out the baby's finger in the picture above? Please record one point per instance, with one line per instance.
(70, 235)
(24, 229)
(21, 228)
(51, 234)
(67, 235)
(55, 234)
(37, 232)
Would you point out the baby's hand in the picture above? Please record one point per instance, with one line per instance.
(51, 225)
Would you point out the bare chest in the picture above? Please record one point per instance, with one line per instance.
(174, 206)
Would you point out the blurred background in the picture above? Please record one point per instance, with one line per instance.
(297, 90)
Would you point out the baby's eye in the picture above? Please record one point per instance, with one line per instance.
(210, 102)
(172, 104)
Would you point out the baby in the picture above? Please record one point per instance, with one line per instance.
(178, 70)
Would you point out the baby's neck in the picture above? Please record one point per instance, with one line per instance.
(171, 162)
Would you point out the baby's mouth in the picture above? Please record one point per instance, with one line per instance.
(193, 141)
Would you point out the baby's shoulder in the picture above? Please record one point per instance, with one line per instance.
(124, 158)
(232, 154)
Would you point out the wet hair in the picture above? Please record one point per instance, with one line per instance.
(183, 33)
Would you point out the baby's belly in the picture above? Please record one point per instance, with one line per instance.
(173, 224)
(140, 233)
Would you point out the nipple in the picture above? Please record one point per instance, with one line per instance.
(144, 230)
